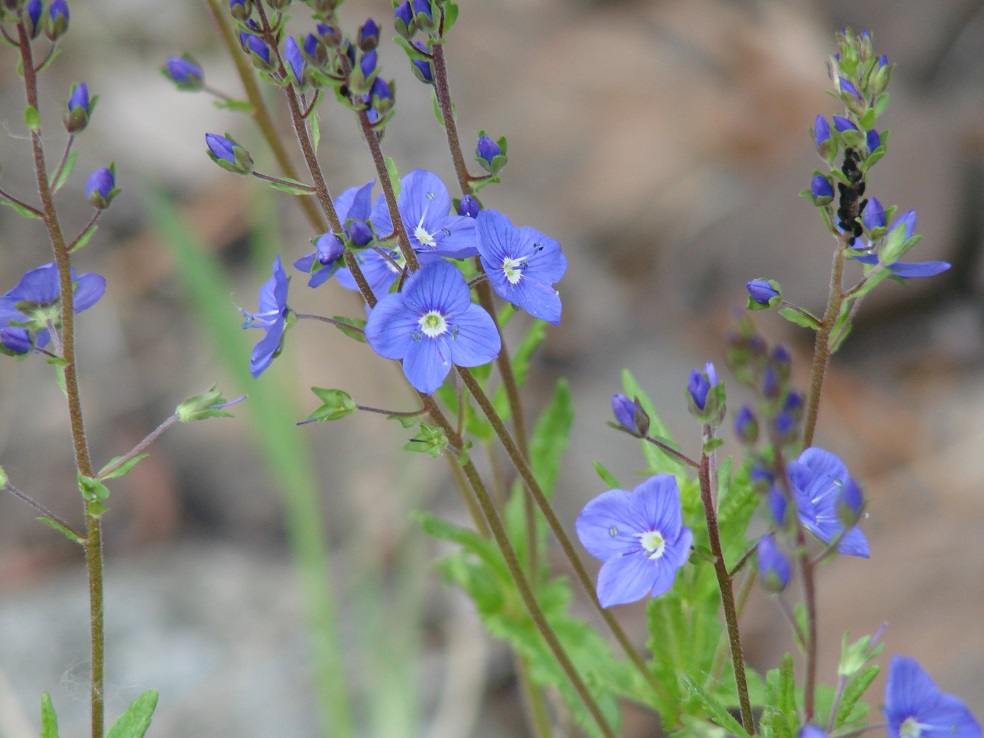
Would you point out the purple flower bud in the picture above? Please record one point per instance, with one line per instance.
(746, 426)
(422, 68)
(256, 48)
(368, 63)
(907, 219)
(469, 207)
(328, 248)
(821, 190)
(381, 90)
(403, 19)
(423, 7)
(882, 61)
(33, 11)
(778, 506)
(487, 149)
(762, 292)
(329, 34)
(849, 88)
(241, 9)
(228, 154)
(874, 215)
(100, 188)
(79, 107)
(843, 124)
(821, 131)
(296, 63)
(698, 387)
(359, 232)
(874, 140)
(184, 72)
(630, 415)
(773, 566)
(368, 38)
(57, 20)
(15, 341)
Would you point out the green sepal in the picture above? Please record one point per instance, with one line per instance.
(67, 532)
(891, 255)
(336, 404)
(136, 720)
(95, 494)
(65, 172)
(854, 139)
(32, 119)
(867, 121)
(873, 158)
(856, 655)
(880, 103)
(498, 162)
(431, 440)
(49, 720)
(20, 209)
(84, 239)
(123, 468)
(450, 16)
(236, 106)
(290, 186)
(799, 318)
(606, 476)
(712, 444)
(202, 406)
(874, 279)
(357, 331)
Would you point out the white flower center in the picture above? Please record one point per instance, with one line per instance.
(911, 728)
(433, 324)
(654, 543)
(513, 268)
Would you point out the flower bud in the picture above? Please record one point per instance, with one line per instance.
(241, 9)
(763, 293)
(746, 426)
(380, 97)
(423, 70)
(295, 61)
(873, 216)
(100, 188)
(630, 415)
(32, 18)
(368, 38)
(821, 190)
(278, 4)
(56, 22)
(184, 72)
(328, 248)
(423, 15)
(228, 154)
(258, 50)
(489, 154)
(826, 146)
(359, 232)
(403, 20)
(773, 566)
(778, 506)
(469, 207)
(330, 35)
(79, 108)
(873, 139)
(843, 124)
(812, 731)
(15, 341)
(705, 395)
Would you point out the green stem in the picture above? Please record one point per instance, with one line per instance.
(727, 595)
(821, 349)
(93, 540)
(151, 437)
(529, 478)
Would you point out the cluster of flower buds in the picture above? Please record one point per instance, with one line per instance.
(53, 21)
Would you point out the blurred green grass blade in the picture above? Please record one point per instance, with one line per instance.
(282, 446)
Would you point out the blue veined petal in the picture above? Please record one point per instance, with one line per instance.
(38, 285)
(390, 327)
(423, 199)
(656, 503)
(917, 269)
(266, 349)
(624, 579)
(549, 260)
(438, 286)
(474, 339)
(607, 526)
(89, 289)
(912, 695)
(539, 300)
(427, 363)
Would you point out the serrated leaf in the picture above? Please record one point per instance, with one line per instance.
(123, 469)
(358, 327)
(49, 721)
(657, 460)
(852, 694)
(798, 318)
(20, 209)
(606, 476)
(551, 436)
(715, 710)
(291, 186)
(66, 171)
(136, 720)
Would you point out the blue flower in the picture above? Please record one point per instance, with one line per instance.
(354, 207)
(431, 325)
(469, 206)
(817, 477)
(296, 63)
(639, 535)
(522, 264)
(821, 131)
(773, 566)
(271, 316)
(368, 37)
(324, 260)
(184, 72)
(874, 215)
(873, 139)
(35, 304)
(100, 188)
(916, 708)
(425, 208)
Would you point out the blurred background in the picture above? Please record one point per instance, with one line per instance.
(663, 143)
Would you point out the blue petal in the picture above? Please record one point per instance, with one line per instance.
(911, 693)
(265, 350)
(427, 363)
(390, 327)
(89, 288)
(539, 300)
(438, 286)
(549, 260)
(624, 579)
(919, 269)
(656, 503)
(38, 285)
(474, 340)
(608, 526)
(423, 198)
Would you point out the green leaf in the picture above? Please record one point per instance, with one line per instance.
(20, 209)
(291, 186)
(85, 238)
(69, 534)
(438, 113)
(335, 404)
(450, 15)
(32, 119)
(236, 106)
(852, 693)
(94, 493)
(315, 130)
(123, 469)
(657, 460)
(606, 476)
(799, 318)
(394, 175)
(357, 331)
(715, 710)
(65, 172)
(551, 436)
(49, 721)
(881, 102)
(134, 722)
